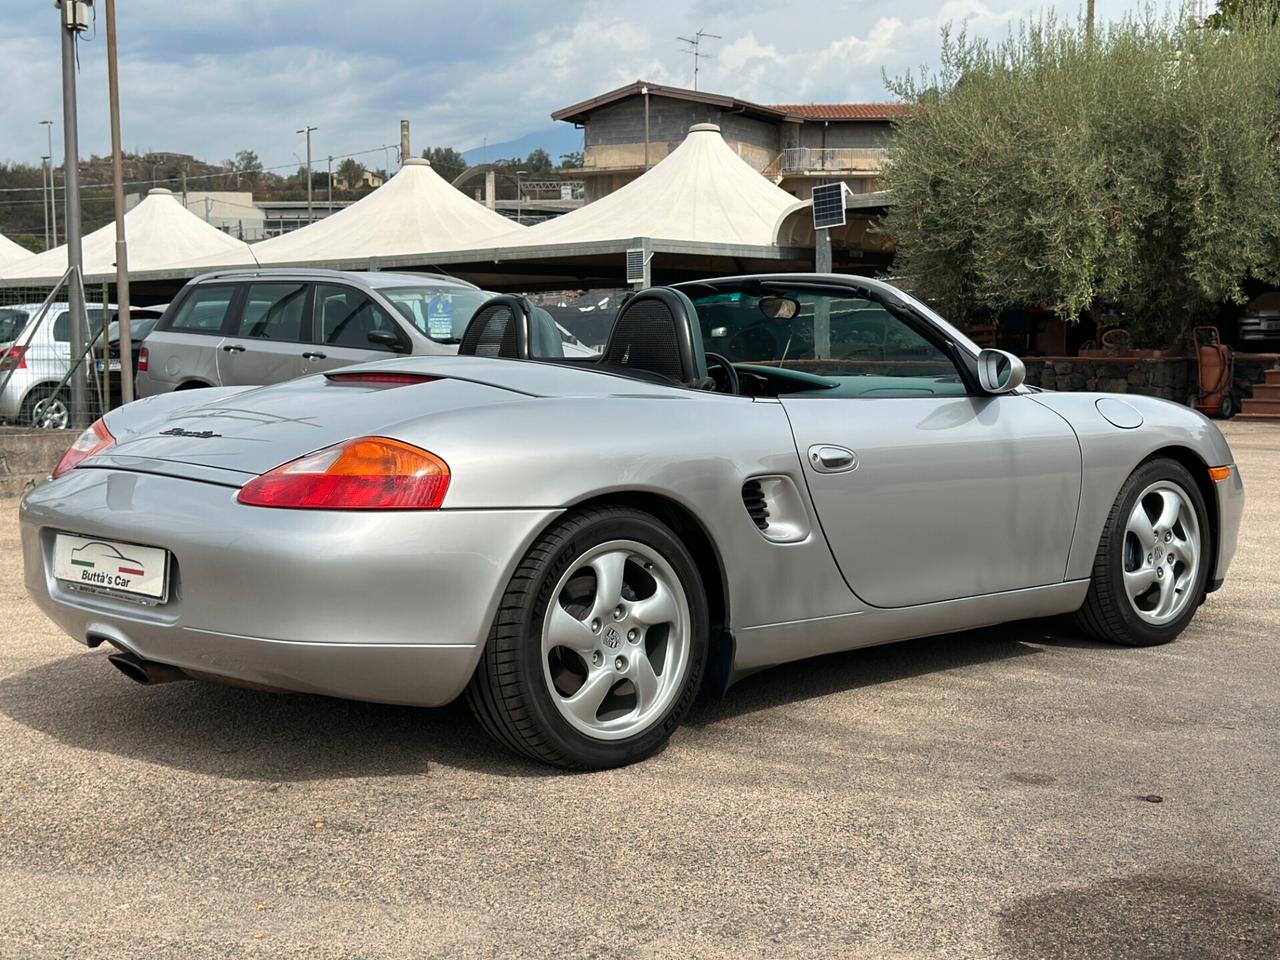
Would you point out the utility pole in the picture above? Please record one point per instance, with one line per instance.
(73, 17)
(695, 43)
(53, 196)
(404, 141)
(44, 198)
(518, 192)
(307, 130)
(122, 246)
(330, 185)
(1089, 14)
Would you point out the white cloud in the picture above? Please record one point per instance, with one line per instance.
(243, 73)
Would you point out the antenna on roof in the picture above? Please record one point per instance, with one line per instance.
(695, 42)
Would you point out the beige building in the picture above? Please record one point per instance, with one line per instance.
(628, 130)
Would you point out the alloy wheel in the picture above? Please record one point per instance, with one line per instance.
(616, 640)
(1162, 553)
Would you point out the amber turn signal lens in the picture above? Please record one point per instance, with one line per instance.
(1219, 473)
(369, 473)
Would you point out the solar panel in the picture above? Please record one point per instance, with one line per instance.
(636, 265)
(828, 205)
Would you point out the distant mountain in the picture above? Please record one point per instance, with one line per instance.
(555, 139)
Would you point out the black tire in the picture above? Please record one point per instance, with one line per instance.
(508, 693)
(27, 414)
(1107, 613)
(1227, 409)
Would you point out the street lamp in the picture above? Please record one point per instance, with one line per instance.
(307, 130)
(53, 196)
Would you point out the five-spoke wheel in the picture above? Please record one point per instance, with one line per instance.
(1153, 560)
(600, 643)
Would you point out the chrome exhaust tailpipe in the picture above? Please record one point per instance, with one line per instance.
(145, 671)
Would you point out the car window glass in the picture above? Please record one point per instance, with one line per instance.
(867, 350)
(273, 311)
(440, 313)
(62, 327)
(204, 310)
(344, 317)
(11, 324)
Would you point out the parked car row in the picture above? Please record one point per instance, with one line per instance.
(240, 328)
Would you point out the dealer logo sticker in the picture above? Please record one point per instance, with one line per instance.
(95, 564)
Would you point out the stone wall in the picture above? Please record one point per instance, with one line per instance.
(1172, 379)
(1153, 377)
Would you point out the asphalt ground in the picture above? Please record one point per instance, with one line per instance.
(978, 795)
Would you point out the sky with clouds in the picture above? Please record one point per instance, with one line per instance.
(213, 77)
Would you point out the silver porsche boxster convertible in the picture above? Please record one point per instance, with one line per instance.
(753, 470)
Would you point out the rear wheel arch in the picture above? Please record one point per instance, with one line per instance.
(192, 385)
(706, 556)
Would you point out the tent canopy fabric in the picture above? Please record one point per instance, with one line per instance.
(701, 192)
(11, 253)
(160, 231)
(416, 211)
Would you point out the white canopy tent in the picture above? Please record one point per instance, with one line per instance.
(415, 212)
(11, 253)
(160, 231)
(702, 192)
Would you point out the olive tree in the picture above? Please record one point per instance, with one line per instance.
(1138, 168)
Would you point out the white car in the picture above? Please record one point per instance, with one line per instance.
(35, 354)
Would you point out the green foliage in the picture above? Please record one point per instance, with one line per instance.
(349, 172)
(572, 160)
(538, 161)
(1138, 169)
(445, 161)
(1233, 12)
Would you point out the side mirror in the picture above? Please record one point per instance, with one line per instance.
(388, 340)
(1000, 372)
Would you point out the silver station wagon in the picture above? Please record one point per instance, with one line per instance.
(253, 327)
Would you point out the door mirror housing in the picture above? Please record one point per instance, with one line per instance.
(388, 341)
(1000, 372)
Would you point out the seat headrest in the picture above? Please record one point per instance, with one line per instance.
(657, 331)
(499, 328)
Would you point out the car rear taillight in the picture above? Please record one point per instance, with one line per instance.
(380, 379)
(94, 440)
(142, 359)
(369, 473)
(14, 358)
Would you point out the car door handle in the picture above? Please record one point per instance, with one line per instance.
(313, 355)
(828, 458)
(233, 347)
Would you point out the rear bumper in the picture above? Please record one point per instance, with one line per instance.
(392, 607)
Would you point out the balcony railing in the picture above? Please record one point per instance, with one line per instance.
(831, 159)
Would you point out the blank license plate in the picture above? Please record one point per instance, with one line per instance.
(108, 565)
(115, 366)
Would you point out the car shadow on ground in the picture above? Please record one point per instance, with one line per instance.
(870, 666)
(252, 735)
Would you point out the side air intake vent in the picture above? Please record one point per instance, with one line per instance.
(753, 500)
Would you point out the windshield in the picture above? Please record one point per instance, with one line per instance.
(852, 342)
(440, 313)
(11, 323)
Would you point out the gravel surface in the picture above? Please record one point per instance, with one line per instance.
(991, 794)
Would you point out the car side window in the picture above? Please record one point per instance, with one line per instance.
(62, 327)
(273, 311)
(204, 311)
(867, 350)
(345, 317)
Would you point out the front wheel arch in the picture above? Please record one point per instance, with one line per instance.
(1199, 471)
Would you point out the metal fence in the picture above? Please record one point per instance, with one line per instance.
(39, 359)
(806, 159)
